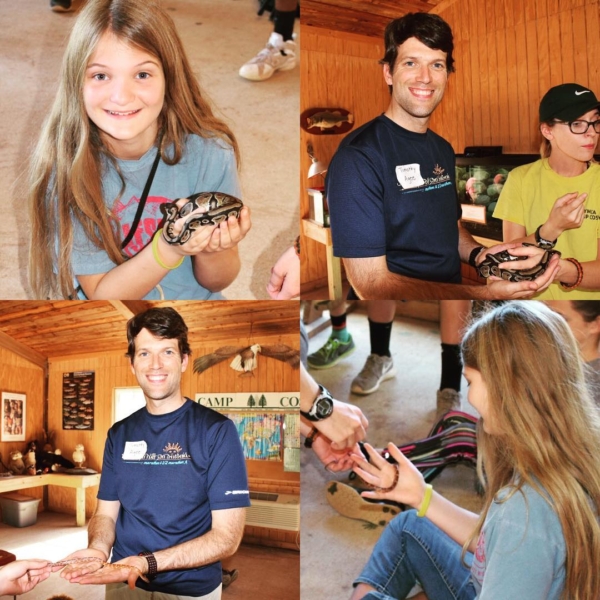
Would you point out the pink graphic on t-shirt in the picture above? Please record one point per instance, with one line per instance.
(149, 223)
(478, 567)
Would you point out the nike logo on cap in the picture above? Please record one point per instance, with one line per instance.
(583, 92)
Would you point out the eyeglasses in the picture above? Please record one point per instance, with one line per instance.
(580, 127)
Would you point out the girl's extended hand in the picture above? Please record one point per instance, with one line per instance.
(229, 233)
(410, 488)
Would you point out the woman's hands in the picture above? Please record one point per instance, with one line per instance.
(410, 487)
(568, 212)
(21, 576)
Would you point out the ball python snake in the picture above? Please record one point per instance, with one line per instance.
(490, 265)
(217, 208)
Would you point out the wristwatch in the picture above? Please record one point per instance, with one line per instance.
(322, 406)
(541, 242)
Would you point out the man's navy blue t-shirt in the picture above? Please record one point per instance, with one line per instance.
(169, 472)
(391, 192)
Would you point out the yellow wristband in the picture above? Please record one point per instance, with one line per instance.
(157, 256)
(426, 500)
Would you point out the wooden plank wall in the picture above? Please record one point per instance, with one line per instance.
(508, 54)
(337, 70)
(19, 376)
(113, 370)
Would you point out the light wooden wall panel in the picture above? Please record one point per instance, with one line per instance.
(508, 54)
(507, 60)
(337, 70)
(19, 376)
(112, 370)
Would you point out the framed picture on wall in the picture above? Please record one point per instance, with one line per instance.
(13, 417)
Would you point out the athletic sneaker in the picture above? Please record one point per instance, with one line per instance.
(376, 369)
(61, 5)
(228, 577)
(276, 56)
(331, 353)
(447, 399)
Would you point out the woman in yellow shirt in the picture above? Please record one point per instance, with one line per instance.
(570, 126)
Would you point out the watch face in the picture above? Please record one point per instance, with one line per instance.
(324, 407)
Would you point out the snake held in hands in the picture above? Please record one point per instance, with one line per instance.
(217, 208)
(490, 265)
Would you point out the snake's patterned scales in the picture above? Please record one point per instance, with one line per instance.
(73, 561)
(218, 206)
(490, 266)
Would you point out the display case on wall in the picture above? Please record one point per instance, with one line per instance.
(479, 181)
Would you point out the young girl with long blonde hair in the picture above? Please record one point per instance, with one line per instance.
(130, 128)
(538, 534)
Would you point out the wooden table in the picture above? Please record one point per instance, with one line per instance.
(79, 482)
(322, 235)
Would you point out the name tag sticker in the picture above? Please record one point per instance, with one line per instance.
(409, 176)
(134, 450)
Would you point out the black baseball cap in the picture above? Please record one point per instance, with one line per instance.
(567, 102)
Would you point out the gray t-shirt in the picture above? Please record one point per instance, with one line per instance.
(592, 379)
(521, 550)
(207, 165)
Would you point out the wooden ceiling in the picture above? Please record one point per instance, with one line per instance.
(363, 17)
(42, 330)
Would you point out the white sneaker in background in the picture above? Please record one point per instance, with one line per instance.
(276, 56)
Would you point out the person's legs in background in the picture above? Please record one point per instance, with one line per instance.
(379, 365)
(453, 316)
(340, 343)
(280, 51)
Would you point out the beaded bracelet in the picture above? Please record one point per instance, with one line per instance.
(297, 246)
(577, 264)
(426, 501)
(310, 438)
(156, 254)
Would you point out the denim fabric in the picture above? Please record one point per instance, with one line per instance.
(413, 550)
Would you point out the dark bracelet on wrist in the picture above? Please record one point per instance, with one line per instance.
(474, 254)
(310, 438)
(152, 564)
(542, 242)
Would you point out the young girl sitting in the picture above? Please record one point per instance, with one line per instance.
(538, 535)
(129, 129)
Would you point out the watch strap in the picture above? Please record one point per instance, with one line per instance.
(542, 242)
(474, 254)
(152, 564)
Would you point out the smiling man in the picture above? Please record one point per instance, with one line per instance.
(391, 185)
(174, 484)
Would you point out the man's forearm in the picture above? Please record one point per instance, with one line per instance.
(379, 284)
(214, 545)
(101, 533)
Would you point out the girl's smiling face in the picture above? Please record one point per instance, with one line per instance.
(478, 397)
(123, 95)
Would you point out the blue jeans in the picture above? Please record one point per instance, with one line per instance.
(413, 550)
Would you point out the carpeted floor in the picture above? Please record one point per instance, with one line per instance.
(335, 548)
(219, 36)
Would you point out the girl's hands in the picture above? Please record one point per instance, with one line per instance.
(410, 488)
(209, 238)
(335, 461)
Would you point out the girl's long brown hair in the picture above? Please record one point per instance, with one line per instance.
(549, 427)
(66, 166)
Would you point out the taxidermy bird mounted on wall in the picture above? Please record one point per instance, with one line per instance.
(245, 359)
